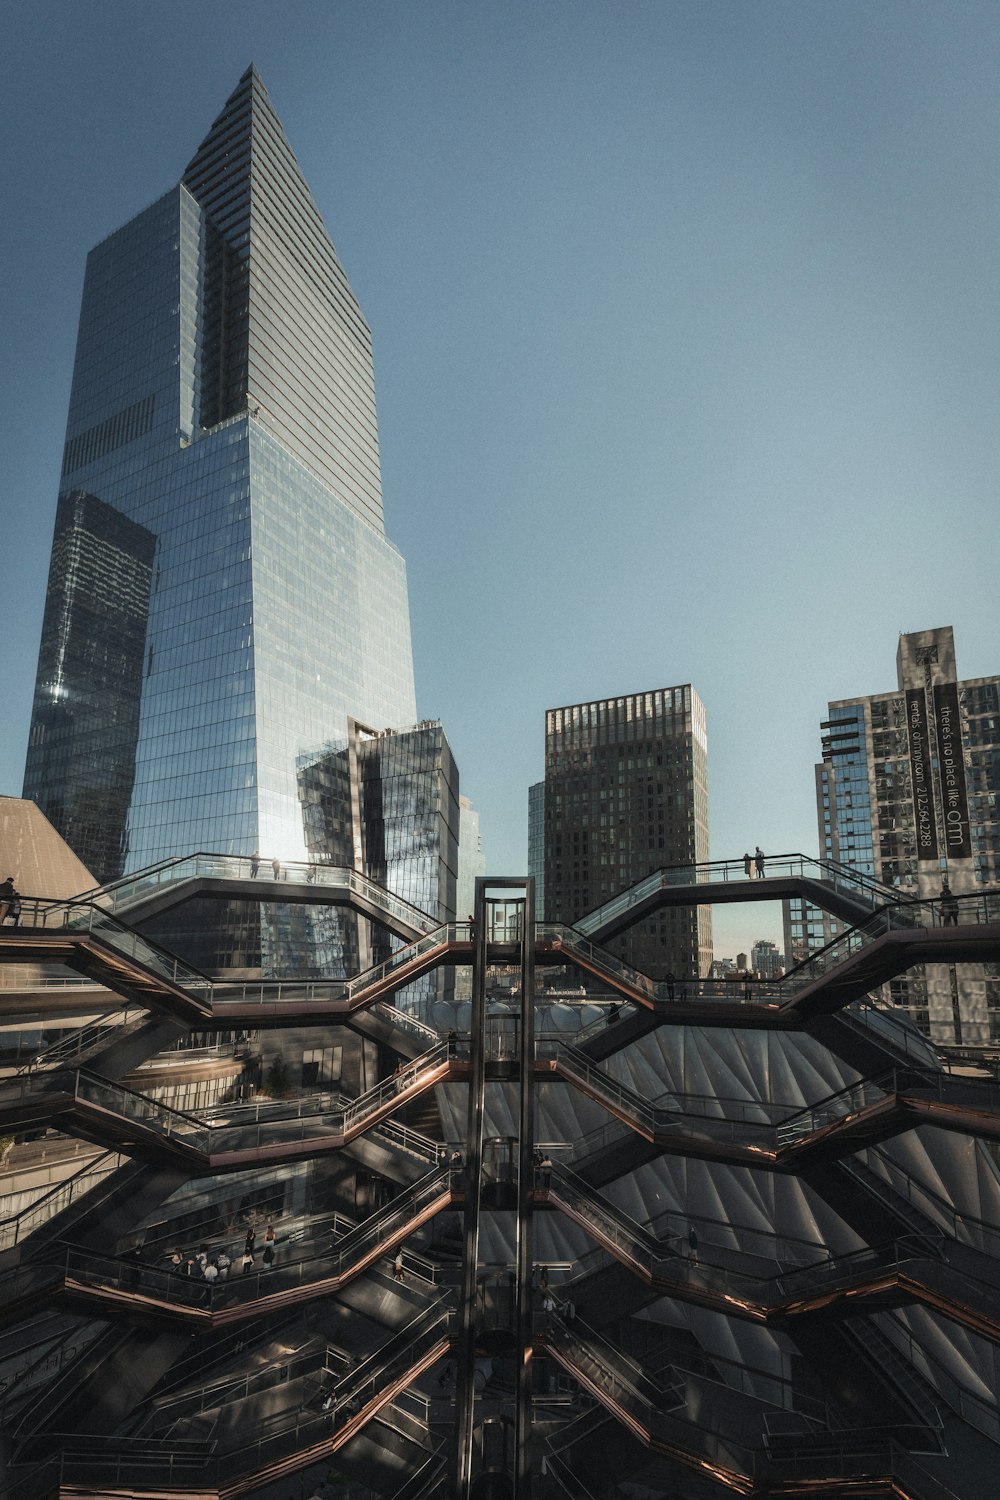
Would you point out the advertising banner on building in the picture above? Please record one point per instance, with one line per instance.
(951, 772)
(920, 773)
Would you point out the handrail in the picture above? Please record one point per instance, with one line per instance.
(405, 1020)
(657, 1259)
(425, 1480)
(374, 1235)
(420, 1265)
(165, 1231)
(743, 1379)
(197, 1131)
(223, 1390)
(80, 917)
(777, 1126)
(852, 1454)
(354, 1400)
(712, 872)
(569, 1483)
(844, 1101)
(873, 1346)
(120, 894)
(65, 1348)
(626, 1374)
(81, 1039)
(197, 1364)
(893, 1032)
(872, 1090)
(18, 1226)
(972, 908)
(642, 1402)
(272, 991)
(979, 1413)
(43, 914)
(912, 1189)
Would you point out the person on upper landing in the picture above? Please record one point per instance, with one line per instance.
(949, 906)
(10, 905)
(758, 860)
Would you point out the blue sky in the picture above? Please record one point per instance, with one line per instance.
(685, 321)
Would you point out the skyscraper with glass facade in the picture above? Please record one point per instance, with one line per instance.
(387, 803)
(222, 595)
(626, 793)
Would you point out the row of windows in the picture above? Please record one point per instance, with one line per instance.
(135, 421)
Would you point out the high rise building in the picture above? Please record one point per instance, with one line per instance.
(471, 865)
(907, 793)
(222, 596)
(387, 803)
(765, 959)
(86, 723)
(471, 858)
(536, 841)
(626, 793)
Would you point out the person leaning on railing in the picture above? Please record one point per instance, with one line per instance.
(10, 902)
(949, 905)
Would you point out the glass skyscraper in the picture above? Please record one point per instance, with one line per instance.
(222, 597)
(387, 804)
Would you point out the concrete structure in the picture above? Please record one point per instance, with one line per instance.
(908, 792)
(707, 1244)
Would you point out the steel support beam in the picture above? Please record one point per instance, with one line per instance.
(465, 1364)
(525, 1200)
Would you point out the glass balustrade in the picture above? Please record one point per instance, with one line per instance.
(840, 878)
(143, 1463)
(414, 958)
(347, 1254)
(735, 1120)
(124, 894)
(652, 1406)
(88, 1038)
(881, 1174)
(18, 1227)
(241, 1127)
(811, 1273)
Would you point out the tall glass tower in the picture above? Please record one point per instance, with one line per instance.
(222, 597)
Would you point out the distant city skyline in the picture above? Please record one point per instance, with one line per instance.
(682, 320)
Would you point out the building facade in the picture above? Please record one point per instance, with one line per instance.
(536, 841)
(766, 960)
(386, 802)
(907, 793)
(626, 793)
(222, 595)
(471, 857)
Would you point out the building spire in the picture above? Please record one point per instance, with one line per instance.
(284, 335)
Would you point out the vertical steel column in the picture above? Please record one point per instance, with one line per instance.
(525, 1201)
(465, 1371)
